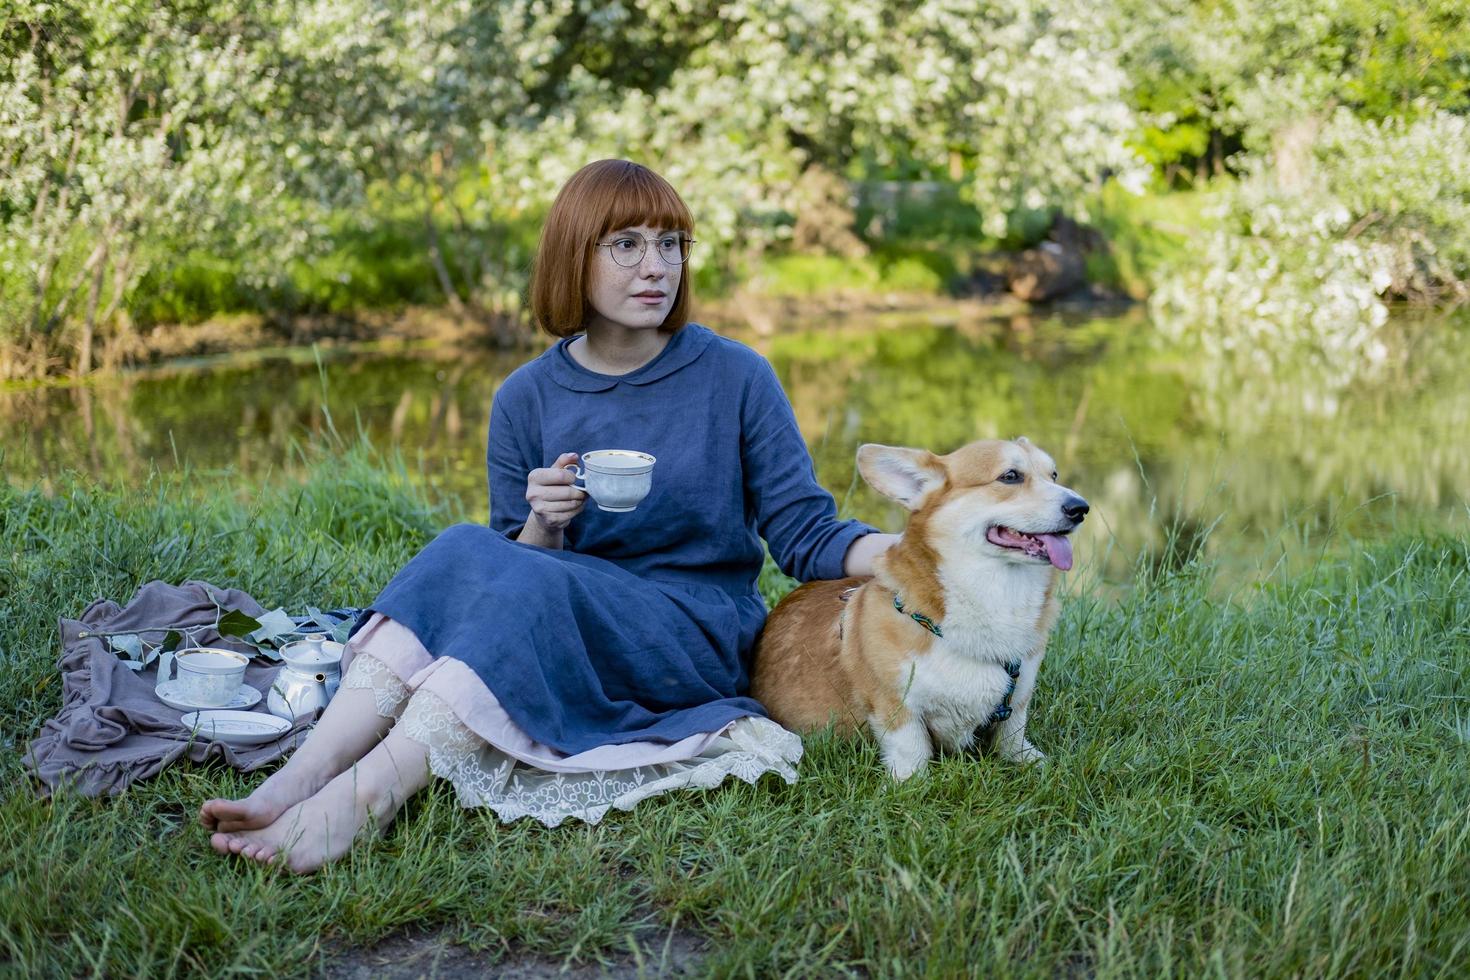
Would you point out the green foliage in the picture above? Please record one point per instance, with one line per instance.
(1403, 64)
(892, 270)
(1213, 78)
(917, 211)
(1146, 235)
(172, 163)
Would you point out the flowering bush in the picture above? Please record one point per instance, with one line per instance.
(1294, 281)
(250, 134)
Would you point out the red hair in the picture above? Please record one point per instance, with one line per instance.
(604, 196)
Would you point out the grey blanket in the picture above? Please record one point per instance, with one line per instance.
(112, 728)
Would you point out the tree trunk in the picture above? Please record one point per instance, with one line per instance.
(436, 258)
(110, 352)
(84, 352)
(98, 254)
(52, 253)
(59, 311)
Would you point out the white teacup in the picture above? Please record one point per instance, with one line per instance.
(617, 479)
(208, 676)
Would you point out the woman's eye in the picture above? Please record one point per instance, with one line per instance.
(668, 244)
(625, 244)
(1010, 476)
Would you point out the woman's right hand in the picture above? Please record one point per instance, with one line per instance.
(553, 499)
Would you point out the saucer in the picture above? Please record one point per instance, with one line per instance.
(236, 727)
(171, 693)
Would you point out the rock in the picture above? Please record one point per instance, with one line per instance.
(1055, 267)
(1045, 272)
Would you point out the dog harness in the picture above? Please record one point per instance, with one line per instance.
(1013, 667)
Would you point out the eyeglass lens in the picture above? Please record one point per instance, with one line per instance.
(628, 250)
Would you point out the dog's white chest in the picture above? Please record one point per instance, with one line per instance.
(950, 689)
(958, 683)
(996, 617)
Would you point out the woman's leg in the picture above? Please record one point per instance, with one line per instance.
(323, 827)
(348, 729)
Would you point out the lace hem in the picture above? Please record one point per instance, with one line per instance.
(484, 776)
(389, 693)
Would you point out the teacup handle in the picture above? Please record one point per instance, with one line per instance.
(580, 474)
(165, 666)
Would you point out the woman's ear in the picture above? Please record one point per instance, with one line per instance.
(908, 476)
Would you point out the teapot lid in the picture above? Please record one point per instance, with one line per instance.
(308, 656)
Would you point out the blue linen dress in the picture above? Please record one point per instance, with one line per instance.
(641, 628)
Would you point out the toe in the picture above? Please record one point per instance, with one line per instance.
(220, 842)
(209, 815)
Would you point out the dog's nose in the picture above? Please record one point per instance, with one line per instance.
(1075, 508)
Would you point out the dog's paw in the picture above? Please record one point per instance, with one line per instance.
(1024, 754)
(901, 771)
(906, 749)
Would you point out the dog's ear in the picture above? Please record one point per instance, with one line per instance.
(905, 475)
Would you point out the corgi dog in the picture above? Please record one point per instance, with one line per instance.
(943, 643)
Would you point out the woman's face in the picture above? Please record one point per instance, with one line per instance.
(639, 295)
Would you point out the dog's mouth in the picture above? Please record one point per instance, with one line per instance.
(1054, 547)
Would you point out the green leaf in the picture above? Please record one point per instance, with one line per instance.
(129, 643)
(265, 650)
(236, 623)
(170, 642)
(273, 624)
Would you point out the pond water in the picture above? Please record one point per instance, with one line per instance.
(1176, 458)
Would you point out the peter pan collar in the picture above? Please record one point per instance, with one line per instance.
(682, 349)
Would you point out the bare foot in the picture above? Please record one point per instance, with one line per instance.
(281, 790)
(314, 831)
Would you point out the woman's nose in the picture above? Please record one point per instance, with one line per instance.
(653, 263)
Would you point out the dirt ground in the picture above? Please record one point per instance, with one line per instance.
(661, 953)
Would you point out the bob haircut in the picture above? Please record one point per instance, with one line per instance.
(604, 196)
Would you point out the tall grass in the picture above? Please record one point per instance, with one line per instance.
(1272, 785)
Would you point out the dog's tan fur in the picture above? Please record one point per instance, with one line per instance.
(840, 652)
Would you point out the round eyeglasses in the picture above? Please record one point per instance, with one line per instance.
(628, 248)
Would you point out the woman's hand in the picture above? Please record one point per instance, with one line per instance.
(862, 552)
(554, 502)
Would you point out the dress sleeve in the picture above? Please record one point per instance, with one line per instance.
(508, 460)
(794, 514)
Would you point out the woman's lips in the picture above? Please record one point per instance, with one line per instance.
(650, 299)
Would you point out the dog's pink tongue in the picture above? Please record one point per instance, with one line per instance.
(1058, 550)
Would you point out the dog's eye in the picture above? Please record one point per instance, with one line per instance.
(1010, 476)
(1053, 476)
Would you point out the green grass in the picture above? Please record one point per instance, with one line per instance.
(1146, 233)
(892, 269)
(1271, 785)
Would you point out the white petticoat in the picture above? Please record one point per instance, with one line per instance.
(484, 775)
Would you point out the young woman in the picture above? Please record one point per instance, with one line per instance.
(566, 659)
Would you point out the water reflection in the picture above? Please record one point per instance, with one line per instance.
(1171, 466)
(1130, 428)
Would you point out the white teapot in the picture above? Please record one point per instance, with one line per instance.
(309, 678)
